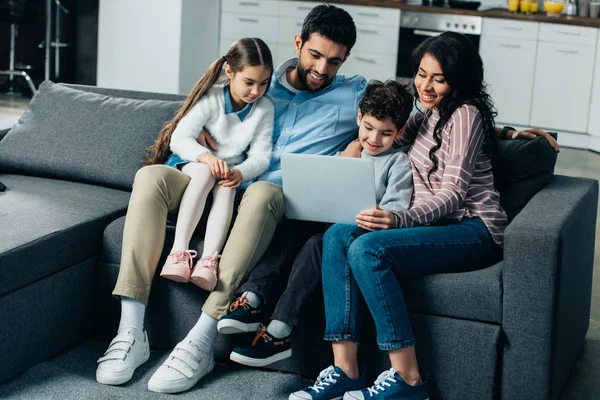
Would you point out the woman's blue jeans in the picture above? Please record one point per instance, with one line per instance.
(361, 266)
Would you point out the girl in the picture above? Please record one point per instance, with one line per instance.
(241, 122)
(455, 217)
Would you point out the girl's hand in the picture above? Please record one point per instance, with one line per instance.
(376, 220)
(352, 150)
(233, 180)
(532, 133)
(218, 168)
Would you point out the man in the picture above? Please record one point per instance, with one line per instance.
(315, 113)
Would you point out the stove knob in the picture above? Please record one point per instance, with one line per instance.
(448, 24)
(473, 27)
(456, 26)
(415, 20)
(464, 26)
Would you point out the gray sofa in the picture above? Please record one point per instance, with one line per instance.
(509, 331)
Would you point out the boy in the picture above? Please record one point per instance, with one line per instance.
(382, 114)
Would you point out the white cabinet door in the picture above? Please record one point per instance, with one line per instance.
(594, 126)
(372, 66)
(562, 89)
(509, 72)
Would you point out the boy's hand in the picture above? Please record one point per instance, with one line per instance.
(376, 220)
(218, 167)
(233, 180)
(206, 140)
(352, 150)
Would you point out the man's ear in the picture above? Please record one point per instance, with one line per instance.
(358, 117)
(298, 43)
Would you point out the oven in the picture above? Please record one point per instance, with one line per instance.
(415, 27)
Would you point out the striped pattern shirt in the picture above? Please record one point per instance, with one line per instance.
(463, 184)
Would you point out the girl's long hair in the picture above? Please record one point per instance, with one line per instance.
(463, 70)
(244, 52)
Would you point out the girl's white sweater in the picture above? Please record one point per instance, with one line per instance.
(246, 145)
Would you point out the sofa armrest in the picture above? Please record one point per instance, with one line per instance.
(6, 125)
(547, 280)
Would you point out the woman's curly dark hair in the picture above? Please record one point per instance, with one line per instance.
(463, 71)
(389, 99)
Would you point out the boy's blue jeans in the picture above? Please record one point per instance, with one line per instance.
(361, 266)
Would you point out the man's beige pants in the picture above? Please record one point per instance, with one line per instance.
(157, 190)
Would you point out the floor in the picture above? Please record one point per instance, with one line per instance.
(584, 382)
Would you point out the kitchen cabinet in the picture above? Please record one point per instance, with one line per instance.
(594, 125)
(508, 49)
(563, 76)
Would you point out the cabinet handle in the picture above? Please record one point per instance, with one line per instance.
(364, 14)
(304, 8)
(248, 3)
(570, 33)
(367, 60)
(253, 20)
(568, 51)
(512, 46)
(299, 24)
(368, 31)
(511, 28)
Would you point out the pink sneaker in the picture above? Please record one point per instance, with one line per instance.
(205, 272)
(178, 266)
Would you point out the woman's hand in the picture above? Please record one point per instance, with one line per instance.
(352, 150)
(532, 133)
(218, 168)
(376, 220)
(233, 180)
(206, 140)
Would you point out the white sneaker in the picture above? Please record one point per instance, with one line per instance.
(184, 367)
(124, 354)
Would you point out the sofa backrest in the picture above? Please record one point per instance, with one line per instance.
(86, 134)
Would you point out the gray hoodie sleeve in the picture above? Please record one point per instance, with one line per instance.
(399, 186)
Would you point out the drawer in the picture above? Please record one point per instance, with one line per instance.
(373, 15)
(510, 28)
(378, 39)
(298, 9)
(284, 53)
(258, 7)
(371, 66)
(236, 26)
(568, 34)
(288, 27)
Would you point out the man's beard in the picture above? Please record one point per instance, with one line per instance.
(302, 76)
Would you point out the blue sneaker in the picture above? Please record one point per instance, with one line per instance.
(389, 385)
(242, 318)
(331, 384)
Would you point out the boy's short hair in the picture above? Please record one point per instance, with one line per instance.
(332, 22)
(389, 99)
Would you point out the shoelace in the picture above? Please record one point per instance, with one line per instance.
(212, 262)
(383, 381)
(185, 256)
(325, 378)
(262, 333)
(241, 301)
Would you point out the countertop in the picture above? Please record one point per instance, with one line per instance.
(494, 13)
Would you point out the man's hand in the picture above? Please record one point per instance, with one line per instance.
(532, 133)
(376, 220)
(218, 168)
(233, 180)
(206, 140)
(352, 150)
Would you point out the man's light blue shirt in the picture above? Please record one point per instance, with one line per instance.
(322, 122)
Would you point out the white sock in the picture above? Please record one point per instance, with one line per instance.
(132, 317)
(253, 299)
(204, 332)
(279, 329)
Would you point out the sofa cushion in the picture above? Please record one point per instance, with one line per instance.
(81, 136)
(49, 225)
(521, 169)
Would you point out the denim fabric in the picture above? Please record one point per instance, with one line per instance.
(361, 266)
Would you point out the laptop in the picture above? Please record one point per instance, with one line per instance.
(327, 188)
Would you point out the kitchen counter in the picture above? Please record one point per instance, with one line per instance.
(494, 13)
